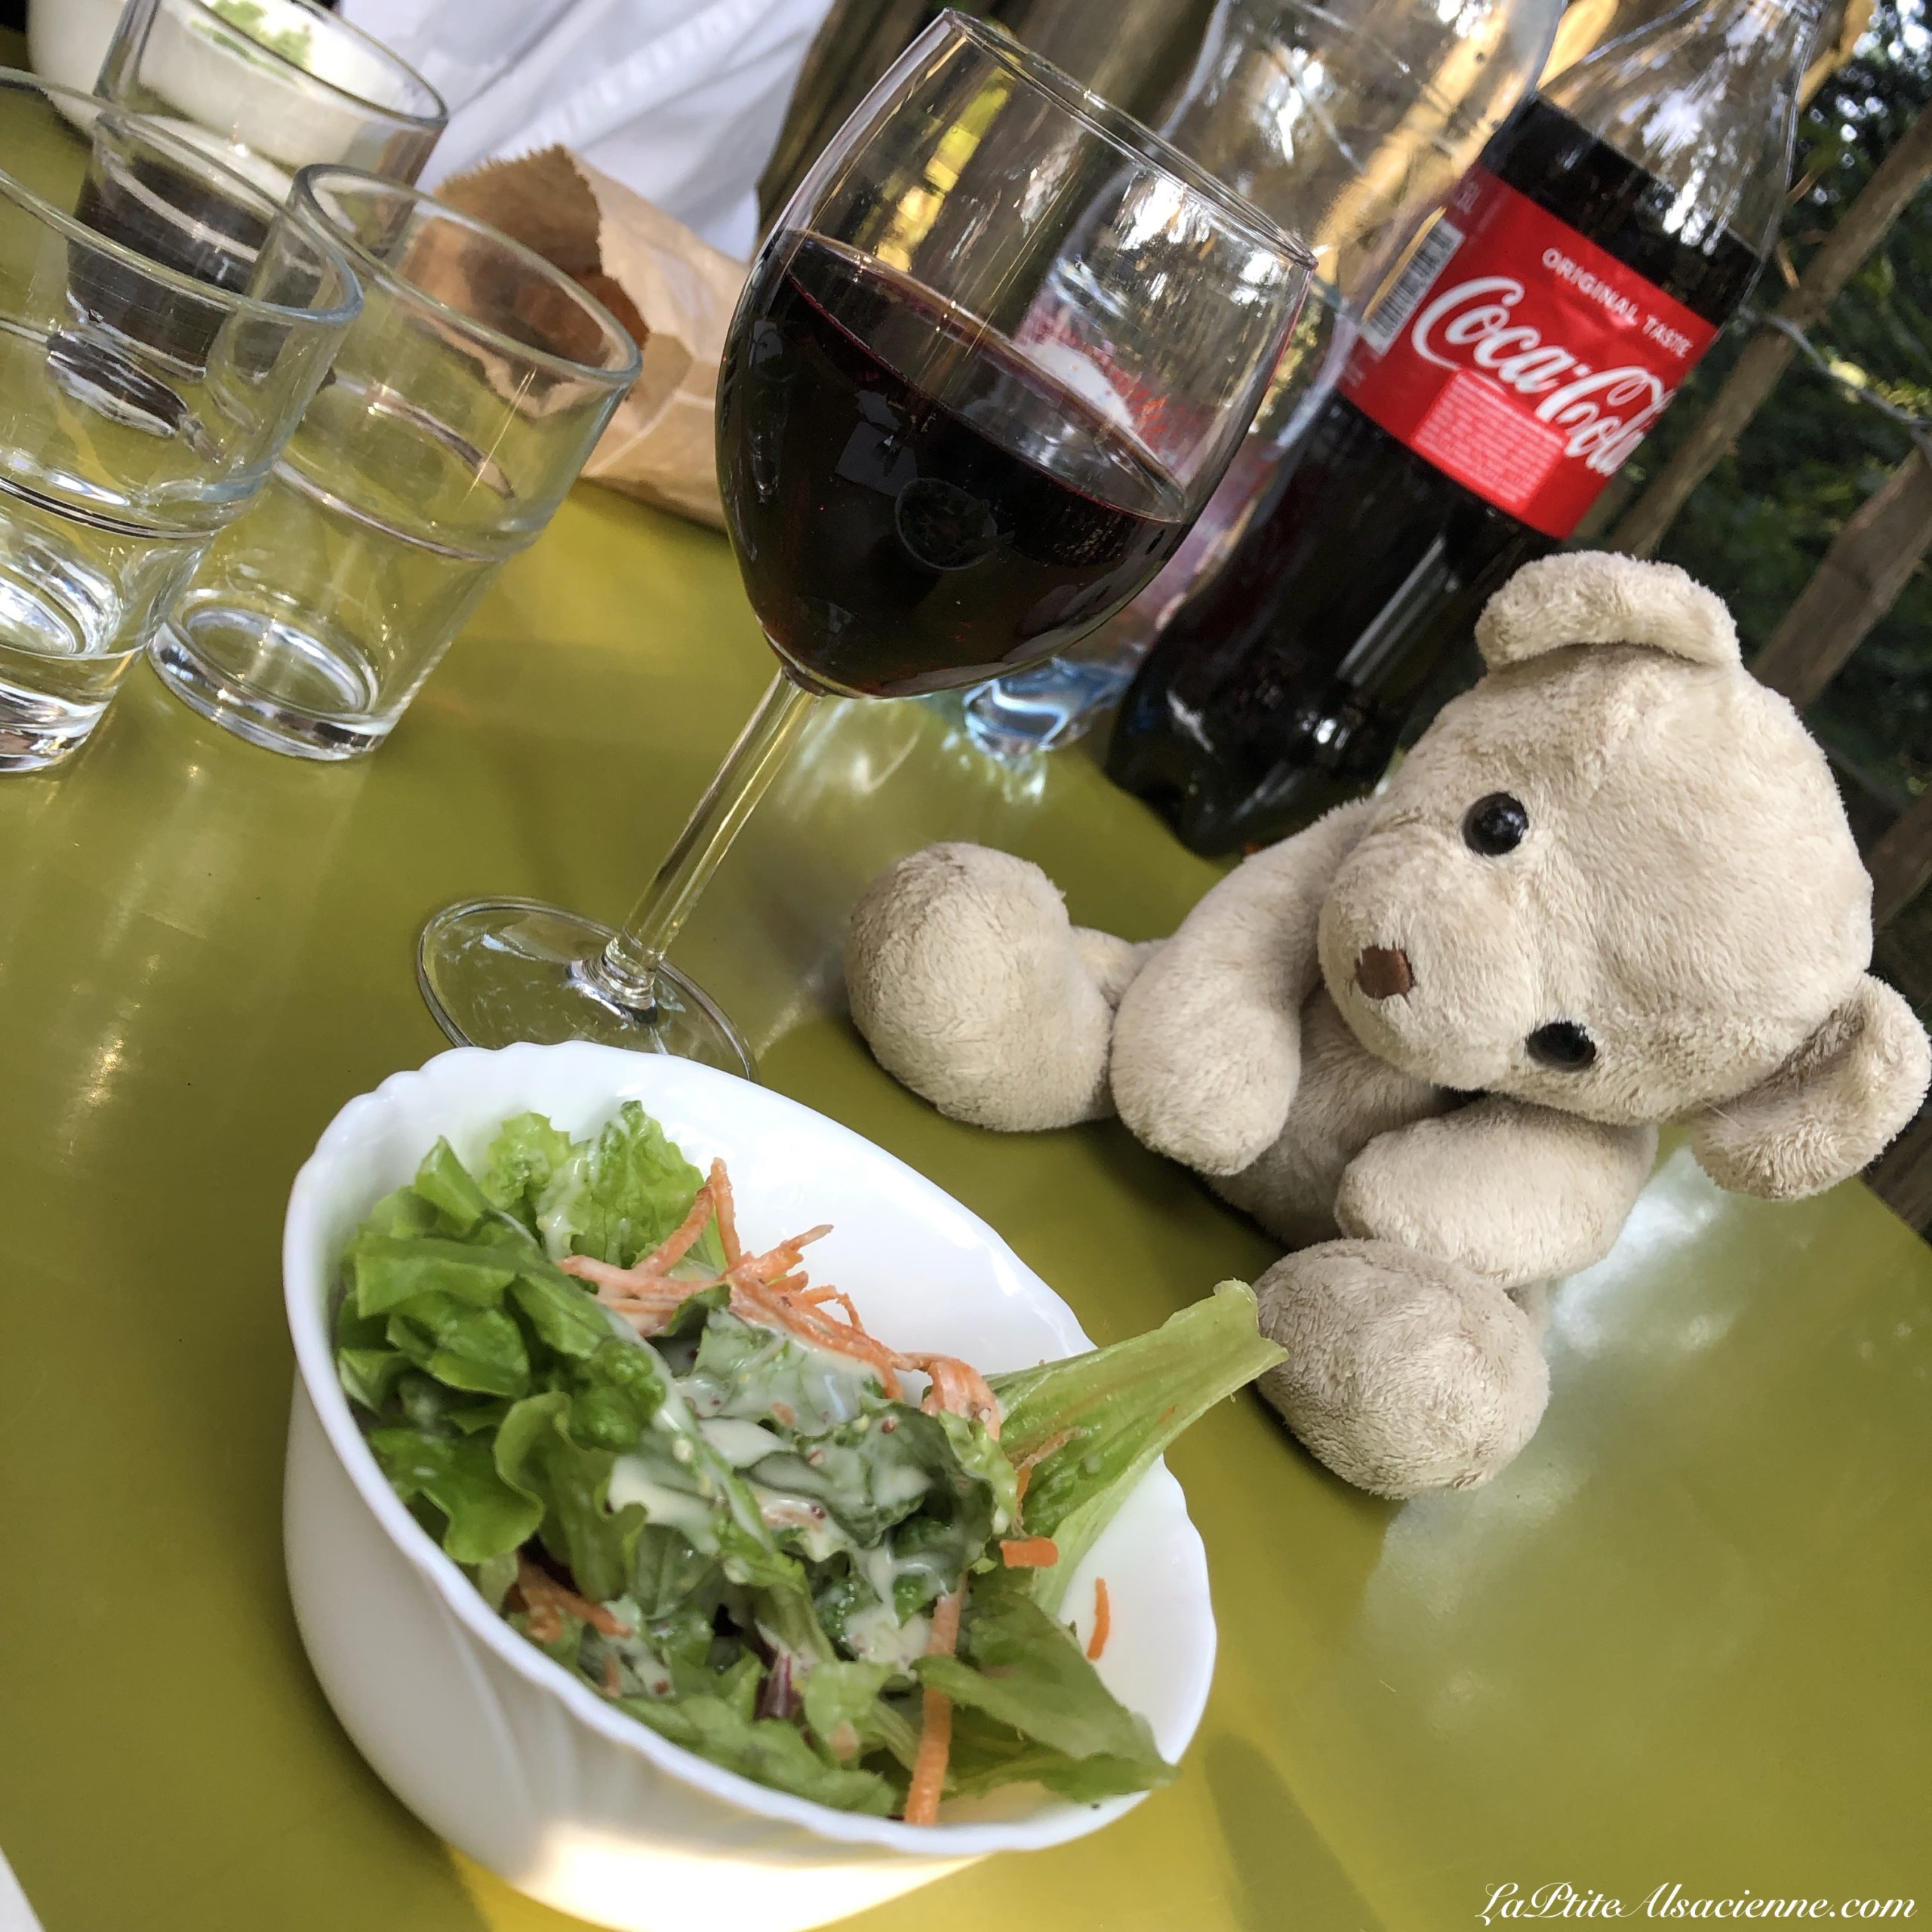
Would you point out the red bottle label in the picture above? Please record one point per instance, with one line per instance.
(1520, 359)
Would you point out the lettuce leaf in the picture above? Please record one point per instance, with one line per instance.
(873, 1473)
(987, 1754)
(467, 1347)
(448, 1187)
(837, 1694)
(536, 1456)
(521, 1163)
(564, 1318)
(485, 1516)
(745, 1371)
(1123, 1404)
(1024, 1670)
(768, 1749)
(617, 1197)
(666, 1573)
(388, 1271)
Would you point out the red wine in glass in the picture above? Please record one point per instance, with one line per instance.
(916, 502)
(980, 381)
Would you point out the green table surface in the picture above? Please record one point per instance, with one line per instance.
(1683, 1640)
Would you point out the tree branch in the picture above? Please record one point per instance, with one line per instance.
(1860, 230)
(1900, 861)
(1871, 561)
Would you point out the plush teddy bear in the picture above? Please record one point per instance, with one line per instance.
(1427, 1042)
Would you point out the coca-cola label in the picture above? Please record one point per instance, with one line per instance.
(1520, 359)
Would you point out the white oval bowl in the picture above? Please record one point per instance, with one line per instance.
(504, 1753)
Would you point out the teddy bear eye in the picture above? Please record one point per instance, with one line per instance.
(1495, 824)
(1562, 1045)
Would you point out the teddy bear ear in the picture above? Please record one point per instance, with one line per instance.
(1595, 597)
(1829, 1110)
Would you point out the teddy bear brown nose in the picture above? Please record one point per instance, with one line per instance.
(1382, 972)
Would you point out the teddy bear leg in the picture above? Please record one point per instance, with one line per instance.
(1405, 1373)
(971, 986)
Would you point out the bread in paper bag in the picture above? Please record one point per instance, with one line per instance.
(673, 292)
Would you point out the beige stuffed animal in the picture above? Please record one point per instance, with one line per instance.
(1612, 886)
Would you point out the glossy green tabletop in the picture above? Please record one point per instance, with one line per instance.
(1683, 1640)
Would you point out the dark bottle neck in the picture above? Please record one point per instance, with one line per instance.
(1704, 100)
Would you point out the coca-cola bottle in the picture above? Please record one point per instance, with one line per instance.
(1614, 223)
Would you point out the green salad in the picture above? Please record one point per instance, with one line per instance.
(697, 1482)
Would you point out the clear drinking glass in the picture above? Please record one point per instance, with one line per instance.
(163, 323)
(271, 86)
(463, 403)
(985, 371)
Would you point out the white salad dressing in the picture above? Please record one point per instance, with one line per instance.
(874, 1636)
(741, 1443)
(820, 1388)
(900, 1484)
(632, 1480)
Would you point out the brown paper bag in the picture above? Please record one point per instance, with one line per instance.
(673, 292)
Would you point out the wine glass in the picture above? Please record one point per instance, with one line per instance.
(985, 371)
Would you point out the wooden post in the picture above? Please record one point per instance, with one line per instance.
(1870, 563)
(1862, 226)
(1900, 861)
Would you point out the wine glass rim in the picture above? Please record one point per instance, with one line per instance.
(435, 120)
(1132, 137)
(252, 197)
(618, 374)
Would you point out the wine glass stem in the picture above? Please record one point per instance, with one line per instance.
(627, 970)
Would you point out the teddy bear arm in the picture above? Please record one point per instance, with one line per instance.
(1112, 964)
(971, 987)
(1207, 1046)
(1516, 1193)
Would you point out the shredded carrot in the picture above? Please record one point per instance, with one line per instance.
(728, 1214)
(772, 1289)
(761, 1302)
(936, 1714)
(1030, 1553)
(1103, 1621)
(683, 1238)
(1031, 1460)
(818, 1297)
(604, 1276)
(650, 1268)
(958, 1386)
(613, 1683)
(844, 1301)
(548, 1602)
(762, 1267)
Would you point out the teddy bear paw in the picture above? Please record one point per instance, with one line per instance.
(965, 976)
(1405, 1373)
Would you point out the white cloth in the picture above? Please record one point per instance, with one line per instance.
(680, 99)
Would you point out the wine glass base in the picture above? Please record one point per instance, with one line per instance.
(495, 971)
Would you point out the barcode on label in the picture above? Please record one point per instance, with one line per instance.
(1386, 319)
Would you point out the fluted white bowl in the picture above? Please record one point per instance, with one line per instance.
(505, 1754)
